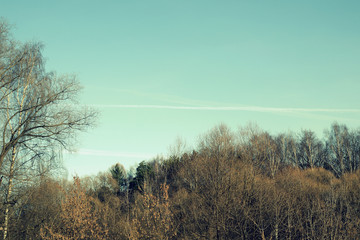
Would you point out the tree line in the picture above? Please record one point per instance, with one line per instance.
(244, 185)
(248, 184)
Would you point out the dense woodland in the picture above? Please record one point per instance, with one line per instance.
(245, 184)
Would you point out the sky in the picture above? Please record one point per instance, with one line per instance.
(158, 70)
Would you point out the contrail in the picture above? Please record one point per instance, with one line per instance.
(225, 108)
(92, 152)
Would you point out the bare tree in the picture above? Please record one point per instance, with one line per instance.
(212, 180)
(352, 149)
(337, 144)
(39, 116)
(265, 153)
(287, 146)
(311, 149)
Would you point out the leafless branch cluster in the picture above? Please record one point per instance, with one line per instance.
(38, 114)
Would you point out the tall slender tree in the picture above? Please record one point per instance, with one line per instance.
(38, 118)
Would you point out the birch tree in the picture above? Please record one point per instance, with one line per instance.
(39, 115)
(311, 150)
(337, 142)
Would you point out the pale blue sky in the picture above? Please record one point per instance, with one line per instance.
(198, 63)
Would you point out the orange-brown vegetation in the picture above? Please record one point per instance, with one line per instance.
(255, 186)
(79, 218)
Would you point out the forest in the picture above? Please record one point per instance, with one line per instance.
(248, 185)
(244, 184)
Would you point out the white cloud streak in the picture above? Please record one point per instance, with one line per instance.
(101, 153)
(225, 108)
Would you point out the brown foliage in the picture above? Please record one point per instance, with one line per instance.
(78, 220)
(220, 191)
(152, 217)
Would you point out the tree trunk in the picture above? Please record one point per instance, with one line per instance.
(8, 194)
